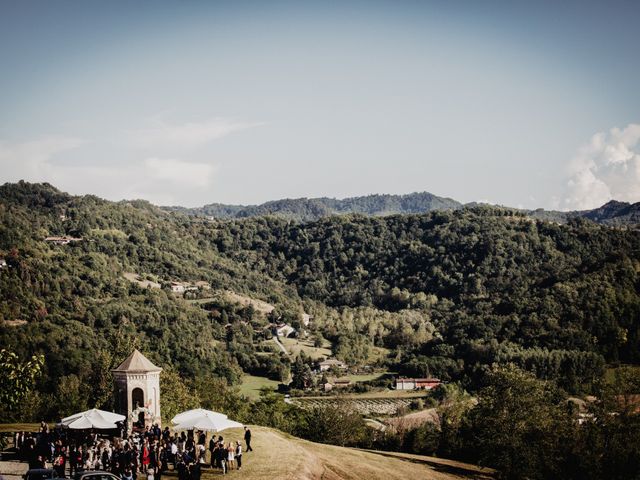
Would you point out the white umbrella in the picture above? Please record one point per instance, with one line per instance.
(195, 413)
(208, 423)
(86, 422)
(108, 416)
(93, 418)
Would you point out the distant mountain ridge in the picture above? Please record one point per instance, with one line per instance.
(613, 213)
(309, 209)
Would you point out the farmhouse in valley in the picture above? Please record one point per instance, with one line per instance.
(416, 383)
(336, 383)
(181, 287)
(282, 330)
(331, 362)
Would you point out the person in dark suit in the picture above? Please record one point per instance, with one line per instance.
(247, 438)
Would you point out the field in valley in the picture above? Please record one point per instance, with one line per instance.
(295, 346)
(387, 402)
(251, 385)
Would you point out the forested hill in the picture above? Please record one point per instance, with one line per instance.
(447, 293)
(309, 209)
(613, 213)
(73, 304)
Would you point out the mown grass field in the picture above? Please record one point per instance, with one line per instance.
(251, 385)
(295, 346)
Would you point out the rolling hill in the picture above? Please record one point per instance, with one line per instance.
(443, 292)
(309, 209)
(282, 456)
(613, 213)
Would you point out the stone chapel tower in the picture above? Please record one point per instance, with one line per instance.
(137, 383)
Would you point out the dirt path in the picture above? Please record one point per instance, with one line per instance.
(277, 340)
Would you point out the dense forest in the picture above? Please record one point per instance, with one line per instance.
(490, 284)
(309, 209)
(620, 214)
(447, 293)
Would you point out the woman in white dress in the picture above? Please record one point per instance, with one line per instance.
(231, 460)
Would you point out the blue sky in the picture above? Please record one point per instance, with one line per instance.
(532, 104)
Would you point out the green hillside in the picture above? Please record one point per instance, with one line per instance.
(515, 314)
(445, 292)
(309, 209)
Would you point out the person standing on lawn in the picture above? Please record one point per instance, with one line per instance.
(247, 438)
(239, 454)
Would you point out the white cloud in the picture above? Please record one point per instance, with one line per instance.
(32, 160)
(159, 180)
(187, 136)
(607, 168)
(174, 171)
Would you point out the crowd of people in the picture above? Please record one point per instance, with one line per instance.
(149, 452)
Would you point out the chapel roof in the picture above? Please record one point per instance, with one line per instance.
(137, 362)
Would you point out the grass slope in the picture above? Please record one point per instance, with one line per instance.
(251, 385)
(280, 456)
(277, 455)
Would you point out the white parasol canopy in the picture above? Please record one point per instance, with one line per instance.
(93, 418)
(206, 420)
(195, 413)
(208, 424)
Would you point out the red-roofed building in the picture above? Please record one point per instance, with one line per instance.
(416, 383)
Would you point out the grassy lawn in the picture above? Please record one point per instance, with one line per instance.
(278, 455)
(251, 385)
(21, 427)
(610, 372)
(295, 346)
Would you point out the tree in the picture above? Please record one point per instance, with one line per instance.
(423, 440)
(608, 442)
(215, 394)
(17, 378)
(301, 376)
(70, 397)
(520, 426)
(101, 380)
(336, 423)
(175, 395)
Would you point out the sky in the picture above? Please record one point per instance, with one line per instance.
(526, 104)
